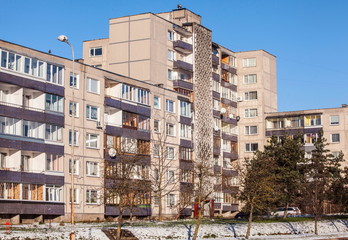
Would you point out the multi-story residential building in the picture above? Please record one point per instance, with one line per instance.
(157, 82)
(333, 122)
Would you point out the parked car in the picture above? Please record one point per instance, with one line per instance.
(241, 215)
(291, 211)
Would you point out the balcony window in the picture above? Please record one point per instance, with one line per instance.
(129, 145)
(170, 74)
(92, 140)
(30, 129)
(144, 123)
(25, 163)
(185, 131)
(91, 196)
(216, 86)
(226, 145)
(250, 95)
(54, 74)
(93, 85)
(3, 157)
(54, 162)
(53, 132)
(92, 113)
(185, 109)
(54, 193)
(250, 79)
(186, 176)
(129, 119)
(95, 51)
(311, 138)
(54, 103)
(143, 147)
(251, 147)
(92, 169)
(135, 94)
(250, 112)
(314, 120)
(185, 153)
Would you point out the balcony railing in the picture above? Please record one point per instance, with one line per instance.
(183, 65)
(228, 68)
(21, 106)
(179, 83)
(183, 47)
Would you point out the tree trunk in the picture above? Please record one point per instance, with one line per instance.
(119, 225)
(249, 221)
(160, 218)
(316, 224)
(198, 221)
(286, 210)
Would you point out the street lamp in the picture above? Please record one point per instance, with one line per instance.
(64, 38)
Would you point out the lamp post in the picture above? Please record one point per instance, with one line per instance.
(64, 38)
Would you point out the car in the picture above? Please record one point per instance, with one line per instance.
(291, 211)
(241, 215)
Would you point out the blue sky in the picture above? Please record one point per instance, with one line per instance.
(309, 37)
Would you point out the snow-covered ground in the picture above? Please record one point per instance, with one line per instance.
(173, 230)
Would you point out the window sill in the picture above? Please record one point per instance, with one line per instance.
(95, 148)
(93, 176)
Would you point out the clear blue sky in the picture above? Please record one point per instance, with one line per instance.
(309, 37)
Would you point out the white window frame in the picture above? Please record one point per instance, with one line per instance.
(335, 120)
(250, 79)
(92, 169)
(158, 129)
(54, 193)
(76, 166)
(89, 193)
(185, 131)
(185, 109)
(76, 108)
(73, 138)
(170, 176)
(170, 103)
(335, 138)
(92, 51)
(250, 130)
(89, 85)
(251, 95)
(250, 113)
(170, 153)
(171, 55)
(170, 129)
(74, 82)
(248, 147)
(89, 115)
(157, 102)
(170, 200)
(90, 140)
(249, 62)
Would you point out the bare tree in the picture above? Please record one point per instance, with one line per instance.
(164, 177)
(126, 179)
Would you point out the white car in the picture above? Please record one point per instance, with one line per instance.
(292, 211)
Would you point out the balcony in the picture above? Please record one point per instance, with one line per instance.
(183, 84)
(216, 77)
(228, 68)
(229, 85)
(231, 155)
(229, 102)
(127, 132)
(229, 136)
(182, 47)
(143, 210)
(134, 108)
(215, 60)
(183, 65)
(31, 207)
(229, 120)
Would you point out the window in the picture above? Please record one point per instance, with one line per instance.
(2, 160)
(216, 105)
(54, 193)
(95, 51)
(25, 163)
(251, 147)
(32, 192)
(92, 169)
(53, 132)
(170, 152)
(144, 123)
(92, 140)
(249, 62)
(73, 138)
(170, 55)
(186, 176)
(170, 129)
(335, 138)
(170, 35)
(250, 130)
(185, 131)
(156, 102)
(170, 200)
(76, 166)
(314, 120)
(156, 150)
(169, 106)
(30, 129)
(156, 126)
(92, 112)
(185, 153)
(185, 109)
(226, 145)
(250, 79)
(170, 74)
(334, 120)
(54, 162)
(76, 195)
(170, 176)
(92, 85)
(129, 119)
(216, 86)
(129, 145)
(54, 103)
(54, 73)
(91, 196)
(73, 107)
(250, 112)
(74, 81)
(135, 94)
(250, 95)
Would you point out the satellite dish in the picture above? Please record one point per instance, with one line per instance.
(231, 115)
(112, 152)
(216, 128)
(223, 110)
(238, 118)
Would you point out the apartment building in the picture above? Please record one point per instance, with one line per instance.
(333, 122)
(173, 50)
